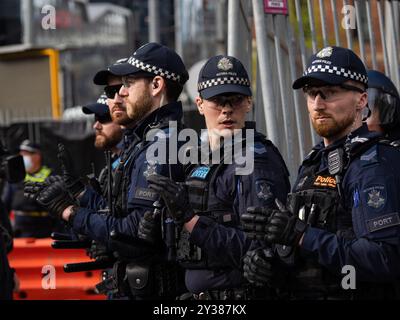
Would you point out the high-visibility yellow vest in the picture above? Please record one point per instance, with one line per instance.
(39, 176)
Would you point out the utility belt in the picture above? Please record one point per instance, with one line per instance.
(31, 213)
(245, 293)
(141, 281)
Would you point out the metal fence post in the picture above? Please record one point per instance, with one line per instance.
(265, 67)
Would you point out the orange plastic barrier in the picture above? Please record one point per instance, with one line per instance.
(31, 259)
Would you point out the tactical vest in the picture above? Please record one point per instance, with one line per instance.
(317, 201)
(122, 174)
(156, 279)
(201, 184)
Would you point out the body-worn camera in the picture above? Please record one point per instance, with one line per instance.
(12, 166)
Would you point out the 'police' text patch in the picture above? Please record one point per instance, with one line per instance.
(146, 194)
(383, 222)
(200, 172)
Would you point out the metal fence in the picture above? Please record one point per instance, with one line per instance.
(283, 44)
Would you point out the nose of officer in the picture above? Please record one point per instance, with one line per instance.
(123, 92)
(227, 108)
(97, 125)
(318, 103)
(118, 97)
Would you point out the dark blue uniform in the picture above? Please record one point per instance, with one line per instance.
(363, 229)
(217, 231)
(139, 198)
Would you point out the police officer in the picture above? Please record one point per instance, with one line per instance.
(216, 192)
(384, 103)
(153, 78)
(343, 211)
(108, 136)
(107, 133)
(31, 219)
(111, 122)
(112, 84)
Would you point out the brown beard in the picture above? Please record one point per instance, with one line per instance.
(333, 128)
(122, 120)
(141, 107)
(103, 142)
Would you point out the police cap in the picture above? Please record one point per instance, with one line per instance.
(101, 77)
(29, 146)
(99, 109)
(333, 65)
(154, 59)
(223, 74)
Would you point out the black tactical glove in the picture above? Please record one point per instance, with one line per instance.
(257, 266)
(53, 179)
(254, 222)
(98, 251)
(261, 268)
(283, 227)
(150, 228)
(175, 197)
(53, 197)
(73, 184)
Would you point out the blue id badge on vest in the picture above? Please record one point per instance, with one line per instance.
(200, 172)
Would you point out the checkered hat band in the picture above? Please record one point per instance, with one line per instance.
(153, 69)
(224, 80)
(341, 72)
(102, 100)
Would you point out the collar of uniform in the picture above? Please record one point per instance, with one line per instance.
(320, 148)
(361, 132)
(127, 138)
(171, 112)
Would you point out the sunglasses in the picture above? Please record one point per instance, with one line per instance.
(233, 100)
(103, 119)
(110, 91)
(329, 93)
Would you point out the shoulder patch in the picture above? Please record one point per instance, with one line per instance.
(383, 222)
(258, 148)
(264, 190)
(375, 196)
(151, 168)
(200, 172)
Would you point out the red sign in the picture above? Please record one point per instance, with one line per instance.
(276, 7)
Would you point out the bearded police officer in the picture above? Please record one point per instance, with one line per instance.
(153, 78)
(217, 192)
(343, 213)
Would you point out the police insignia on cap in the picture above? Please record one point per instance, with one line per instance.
(325, 52)
(376, 196)
(102, 99)
(224, 64)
